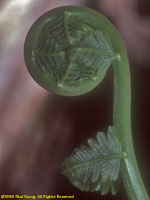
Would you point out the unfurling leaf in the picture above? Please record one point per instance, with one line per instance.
(96, 166)
(68, 54)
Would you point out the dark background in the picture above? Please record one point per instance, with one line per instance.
(39, 129)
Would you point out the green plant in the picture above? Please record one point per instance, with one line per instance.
(68, 50)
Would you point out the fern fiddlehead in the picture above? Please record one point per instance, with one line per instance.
(68, 51)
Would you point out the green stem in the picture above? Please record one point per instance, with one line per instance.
(122, 122)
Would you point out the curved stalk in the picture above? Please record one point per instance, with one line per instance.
(122, 122)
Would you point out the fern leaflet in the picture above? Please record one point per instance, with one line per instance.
(96, 166)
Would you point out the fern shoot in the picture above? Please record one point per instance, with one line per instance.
(68, 51)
